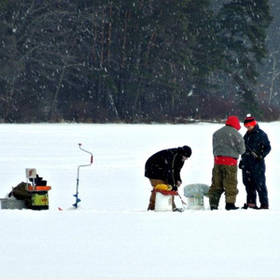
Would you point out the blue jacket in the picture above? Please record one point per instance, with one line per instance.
(257, 148)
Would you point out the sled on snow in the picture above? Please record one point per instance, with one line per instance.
(32, 194)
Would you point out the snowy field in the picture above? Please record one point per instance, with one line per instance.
(111, 236)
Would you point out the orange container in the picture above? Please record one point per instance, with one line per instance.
(38, 188)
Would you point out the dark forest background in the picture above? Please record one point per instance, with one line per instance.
(138, 61)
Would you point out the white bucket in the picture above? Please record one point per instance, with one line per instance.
(195, 196)
(195, 203)
(163, 202)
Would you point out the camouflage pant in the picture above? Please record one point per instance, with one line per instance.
(224, 179)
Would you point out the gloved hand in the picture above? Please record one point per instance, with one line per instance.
(241, 165)
(174, 188)
(255, 155)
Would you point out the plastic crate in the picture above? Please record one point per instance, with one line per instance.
(7, 203)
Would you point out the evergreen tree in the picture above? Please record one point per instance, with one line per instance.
(242, 34)
(127, 60)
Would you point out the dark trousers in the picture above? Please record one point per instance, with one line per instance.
(254, 181)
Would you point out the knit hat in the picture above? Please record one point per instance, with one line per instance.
(249, 121)
(185, 151)
(233, 121)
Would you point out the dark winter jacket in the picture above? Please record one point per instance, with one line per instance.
(165, 165)
(257, 148)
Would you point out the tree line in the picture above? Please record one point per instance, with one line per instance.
(130, 61)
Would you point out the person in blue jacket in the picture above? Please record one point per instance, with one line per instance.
(253, 165)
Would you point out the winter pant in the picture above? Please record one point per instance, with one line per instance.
(254, 181)
(152, 201)
(224, 179)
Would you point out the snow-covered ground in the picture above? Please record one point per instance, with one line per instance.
(111, 236)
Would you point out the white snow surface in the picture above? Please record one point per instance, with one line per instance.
(111, 235)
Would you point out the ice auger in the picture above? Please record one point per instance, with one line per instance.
(76, 195)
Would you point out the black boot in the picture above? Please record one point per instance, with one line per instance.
(245, 206)
(231, 206)
(252, 206)
(213, 208)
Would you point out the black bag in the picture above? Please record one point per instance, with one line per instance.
(20, 192)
